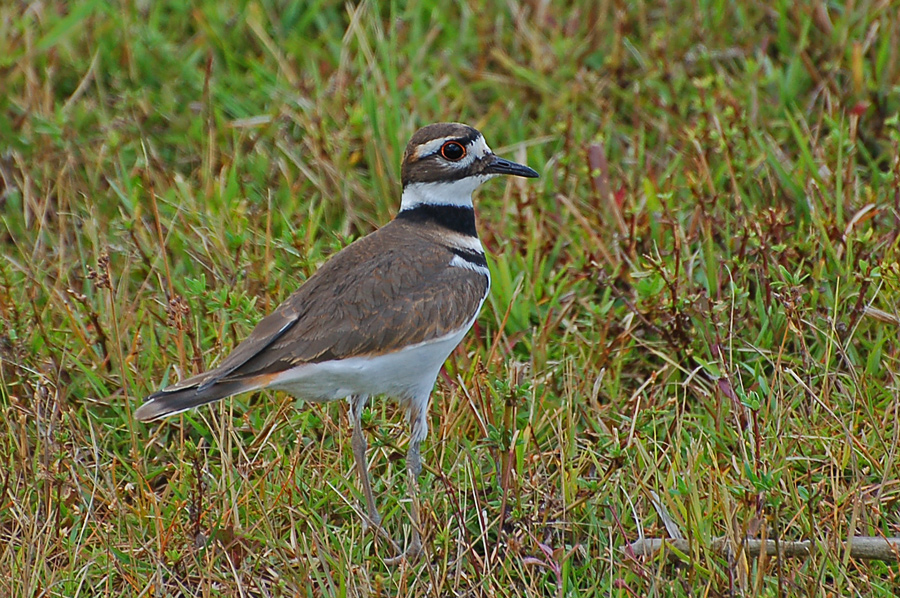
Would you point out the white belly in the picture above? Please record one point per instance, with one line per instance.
(406, 374)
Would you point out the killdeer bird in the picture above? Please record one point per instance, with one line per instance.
(382, 315)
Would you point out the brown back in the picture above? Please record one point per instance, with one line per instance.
(390, 289)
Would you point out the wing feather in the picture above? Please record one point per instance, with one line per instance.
(383, 292)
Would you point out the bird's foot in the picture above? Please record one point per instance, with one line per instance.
(372, 522)
(412, 553)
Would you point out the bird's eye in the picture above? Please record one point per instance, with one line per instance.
(453, 151)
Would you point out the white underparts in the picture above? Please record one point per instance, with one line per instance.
(408, 374)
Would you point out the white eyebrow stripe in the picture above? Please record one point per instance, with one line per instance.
(432, 146)
(476, 148)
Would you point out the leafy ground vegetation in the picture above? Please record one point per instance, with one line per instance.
(694, 312)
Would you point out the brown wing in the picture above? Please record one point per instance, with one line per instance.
(385, 291)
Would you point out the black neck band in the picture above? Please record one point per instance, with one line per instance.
(459, 219)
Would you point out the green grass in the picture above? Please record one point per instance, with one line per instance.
(691, 320)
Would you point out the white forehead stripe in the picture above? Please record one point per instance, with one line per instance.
(479, 147)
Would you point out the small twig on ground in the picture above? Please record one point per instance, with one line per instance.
(861, 547)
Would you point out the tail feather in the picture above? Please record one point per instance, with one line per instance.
(169, 402)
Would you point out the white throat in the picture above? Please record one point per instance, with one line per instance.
(444, 193)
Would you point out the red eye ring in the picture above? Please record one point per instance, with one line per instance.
(453, 151)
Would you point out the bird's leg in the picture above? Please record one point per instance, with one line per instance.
(357, 404)
(418, 431)
(372, 518)
(413, 469)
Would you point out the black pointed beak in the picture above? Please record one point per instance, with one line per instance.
(498, 165)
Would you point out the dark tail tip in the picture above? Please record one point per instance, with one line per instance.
(152, 409)
(164, 403)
